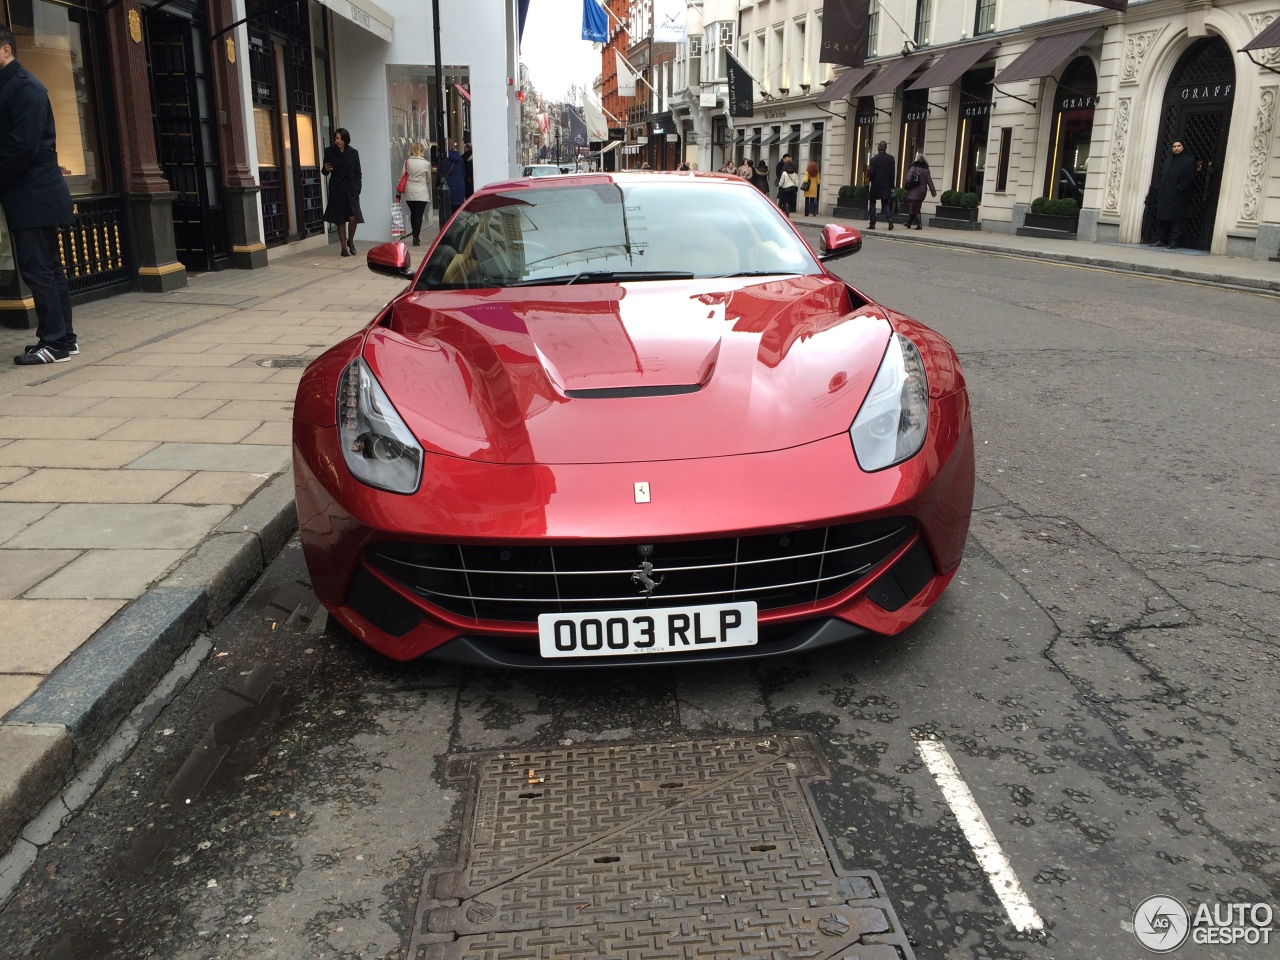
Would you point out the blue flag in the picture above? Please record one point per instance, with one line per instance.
(595, 22)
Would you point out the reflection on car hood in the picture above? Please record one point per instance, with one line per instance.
(611, 373)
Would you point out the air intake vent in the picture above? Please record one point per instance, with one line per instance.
(619, 393)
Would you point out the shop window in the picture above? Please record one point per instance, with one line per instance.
(1002, 169)
(873, 27)
(264, 134)
(53, 43)
(924, 20)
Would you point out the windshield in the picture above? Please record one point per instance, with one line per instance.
(611, 232)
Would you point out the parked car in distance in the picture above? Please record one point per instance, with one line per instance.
(542, 170)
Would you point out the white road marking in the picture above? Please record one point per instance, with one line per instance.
(986, 848)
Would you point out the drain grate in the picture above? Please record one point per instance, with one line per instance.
(640, 851)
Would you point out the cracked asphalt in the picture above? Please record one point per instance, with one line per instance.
(1103, 671)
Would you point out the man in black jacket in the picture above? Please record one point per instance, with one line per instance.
(36, 203)
(1176, 180)
(881, 172)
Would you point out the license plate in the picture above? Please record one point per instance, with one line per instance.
(662, 630)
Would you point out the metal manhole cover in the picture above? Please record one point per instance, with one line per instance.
(284, 361)
(682, 850)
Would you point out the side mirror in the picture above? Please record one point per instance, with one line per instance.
(391, 259)
(838, 241)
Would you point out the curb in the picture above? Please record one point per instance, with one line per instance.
(1122, 266)
(58, 730)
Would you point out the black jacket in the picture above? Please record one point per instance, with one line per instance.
(32, 189)
(881, 171)
(1176, 180)
(346, 173)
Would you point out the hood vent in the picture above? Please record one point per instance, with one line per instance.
(620, 393)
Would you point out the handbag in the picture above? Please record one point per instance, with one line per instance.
(805, 186)
(404, 179)
(397, 219)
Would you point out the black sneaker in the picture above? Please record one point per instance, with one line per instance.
(72, 348)
(43, 353)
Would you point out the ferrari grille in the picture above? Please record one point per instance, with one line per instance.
(517, 583)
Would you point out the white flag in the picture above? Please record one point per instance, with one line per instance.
(597, 129)
(626, 79)
(670, 23)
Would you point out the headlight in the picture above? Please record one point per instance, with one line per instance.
(377, 446)
(894, 418)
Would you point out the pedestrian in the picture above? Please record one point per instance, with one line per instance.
(728, 167)
(417, 189)
(469, 187)
(455, 177)
(919, 182)
(812, 181)
(788, 186)
(760, 178)
(777, 167)
(645, 165)
(36, 204)
(342, 166)
(746, 171)
(682, 167)
(880, 171)
(1176, 180)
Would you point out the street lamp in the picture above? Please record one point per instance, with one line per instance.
(442, 149)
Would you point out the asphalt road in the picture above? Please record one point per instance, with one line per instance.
(1102, 672)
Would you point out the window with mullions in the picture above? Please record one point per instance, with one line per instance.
(984, 19)
(720, 37)
(924, 20)
(873, 27)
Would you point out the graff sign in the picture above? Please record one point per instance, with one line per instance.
(1077, 103)
(1206, 91)
(978, 110)
(916, 116)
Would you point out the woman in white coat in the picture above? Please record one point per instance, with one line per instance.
(417, 189)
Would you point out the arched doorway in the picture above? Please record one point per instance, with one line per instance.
(1072, 131)
(1197, 111)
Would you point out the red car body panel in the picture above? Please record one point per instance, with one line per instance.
(488, 381)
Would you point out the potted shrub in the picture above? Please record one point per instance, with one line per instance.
(1059, 215)
(955, 205)
(851, 201)
(900, 208)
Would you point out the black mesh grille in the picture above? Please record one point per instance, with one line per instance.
(517, 583)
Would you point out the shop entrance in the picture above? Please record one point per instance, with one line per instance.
(975, 126)
(1197, 111)
(187, 136)
(1072, 132)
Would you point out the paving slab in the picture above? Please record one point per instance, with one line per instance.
(124, 388)
(16, 687)
(107, 574)
(155, 409)
(252, 410)
(182, 430)
(214, 456)
(139, 526)
(216, 487)
(39, 634)
(20, 570)
(57, 428)
(16, 517)
(283, 392)
(92, 486)
(103, 454)
(251, 374)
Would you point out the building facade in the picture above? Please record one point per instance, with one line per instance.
(1020, 99)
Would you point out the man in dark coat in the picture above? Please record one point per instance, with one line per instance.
(455, 176)
(1176, 180)
(881, 171)
(36, 203)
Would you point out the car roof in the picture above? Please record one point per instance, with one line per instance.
(624, 176)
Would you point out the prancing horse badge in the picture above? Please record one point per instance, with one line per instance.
(642, 492)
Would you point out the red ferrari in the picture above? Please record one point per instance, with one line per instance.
(630, 419)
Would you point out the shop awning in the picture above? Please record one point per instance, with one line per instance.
(752, 140)
(364, 13)
(953, 65)
(741, 137)
(611, 145)
(771, 139)
(844, 84)
(892, 74)
(1045, 55)
(810, 137)
(1270, 37)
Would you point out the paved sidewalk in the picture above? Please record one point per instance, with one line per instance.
(142, 486)
(1130, 257)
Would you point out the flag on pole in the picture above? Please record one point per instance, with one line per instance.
(577, 129)
(741, 89)
(844, 31)
(626, 79)
(544, 123)
(597, 129)
(670, 21)
(595, 22)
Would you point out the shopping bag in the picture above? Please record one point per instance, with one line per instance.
(397, 220)
(404, 180)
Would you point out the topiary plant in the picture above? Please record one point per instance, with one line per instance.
(1066, 207)
(947, 198)
(900, 194)
(852, 192)
(968, 200)
(1038, 205)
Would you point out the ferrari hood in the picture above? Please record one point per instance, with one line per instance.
(646, 371)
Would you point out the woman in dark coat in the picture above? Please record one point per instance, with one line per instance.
(1176, 180)
(919, 182)
(342, 166)
(760, 179)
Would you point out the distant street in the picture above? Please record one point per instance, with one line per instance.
(1103, 673)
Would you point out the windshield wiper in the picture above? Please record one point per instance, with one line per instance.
(603, 276)
(763, 273)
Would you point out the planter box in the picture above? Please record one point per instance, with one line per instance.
(958, 213)
(851, 209)
(1042, 221)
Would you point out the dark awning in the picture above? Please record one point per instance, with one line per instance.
(892, 74)
(742, 137)
(810, 137)
(1268, 38)
(1045, 55)
(752, 140)
(953, 65)
(844, 84)
(771, 139)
